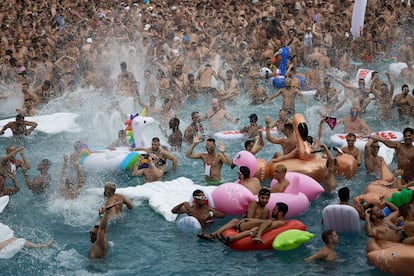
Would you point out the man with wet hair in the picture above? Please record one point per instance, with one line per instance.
(39, 184)
(20, 127)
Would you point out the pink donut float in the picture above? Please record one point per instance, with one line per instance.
(232, 198)
(245, 158)
(299, 182)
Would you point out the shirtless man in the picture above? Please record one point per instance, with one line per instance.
(40, 183)
(402, 102)
(204, 76)
(256, 227)
(254, 145)
(327, 253)
(280, 122)
(288, 144)
(314, 76)
(378, 227)
(371, 158)
(329, 174)
(406, 50)
(216, 115)
(8, 190)
(161, 154)
(151, 110)
(360, 94)
(148, 169)
(98, 235)
(280, 176)
(326, 95)
(20, 127)
(9, 163)
(126, 82)
(213, 161)
(231, 87)
(199, 209)
(251, 183)
(120, 142)
(351, 149)
(257, 93)
(253, 129)
(70, 188)
(289, 94)
(194, 128)
(256, 210)
(407, 74)
(403, 151)
(354, 124)
(117, 200)
(383, 98)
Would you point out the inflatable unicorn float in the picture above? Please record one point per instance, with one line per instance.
(139, 130)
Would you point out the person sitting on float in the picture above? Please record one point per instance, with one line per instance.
(254, 145)
(251, 183)
(256, 210)
(382, 228)
(351, 149)
(199, 209)
(280, 176)
(146, 167)
(259, 226)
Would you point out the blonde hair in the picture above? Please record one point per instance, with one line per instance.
(281, 168)
(110, 186)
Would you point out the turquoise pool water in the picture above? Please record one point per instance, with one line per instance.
(143, 243)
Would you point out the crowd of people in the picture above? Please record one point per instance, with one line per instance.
(213, 49)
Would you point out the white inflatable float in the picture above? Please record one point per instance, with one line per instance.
(105, 159)
(341, 218)
(395, 69)
(4, 200)
(384, 151)
(143, 129)
(162, 196)
(146, 128)
(237, 135)
(10, 250)
(49, 124)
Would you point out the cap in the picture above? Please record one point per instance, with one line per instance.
(253, 117)
(89, 40)
(308, 29)
(147, 27)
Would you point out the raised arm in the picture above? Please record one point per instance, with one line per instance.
(63, 175)
(190, 153)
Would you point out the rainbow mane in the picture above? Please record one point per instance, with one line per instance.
(84, 151)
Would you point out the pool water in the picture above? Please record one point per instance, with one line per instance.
(142, 241)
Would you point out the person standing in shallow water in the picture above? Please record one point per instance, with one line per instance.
(327, 253)
(175, 140)
(213, 161)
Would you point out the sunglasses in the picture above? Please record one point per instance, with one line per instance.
(350, 140)
(200, 197)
